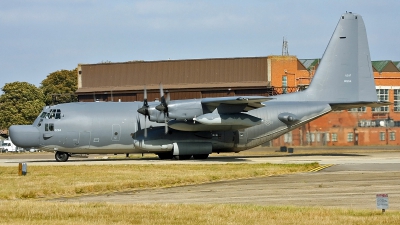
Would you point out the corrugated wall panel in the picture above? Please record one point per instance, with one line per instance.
(255, 92)
(175, 72)
(185, 95)
(221, 93)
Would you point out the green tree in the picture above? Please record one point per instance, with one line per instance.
(20, 103)
(60, 87)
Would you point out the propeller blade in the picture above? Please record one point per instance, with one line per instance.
(163, 107)
(145, 127)
(168, 98)
(144, 110)
(145, 97)
(161, 90)
(166, 124)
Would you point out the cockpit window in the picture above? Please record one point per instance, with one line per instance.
(53, 114)
(58, 114)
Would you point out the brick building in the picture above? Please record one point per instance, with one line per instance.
(361, 126)
(266, 76)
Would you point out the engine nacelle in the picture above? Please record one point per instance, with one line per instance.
(229, 119)
(155, 115)
(185, 109)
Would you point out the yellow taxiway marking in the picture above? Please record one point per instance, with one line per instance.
(321, 168)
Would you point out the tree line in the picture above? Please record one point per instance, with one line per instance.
(21, 102)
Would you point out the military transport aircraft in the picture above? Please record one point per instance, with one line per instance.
(197, 127)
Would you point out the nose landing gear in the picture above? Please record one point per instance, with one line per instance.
(61, 156)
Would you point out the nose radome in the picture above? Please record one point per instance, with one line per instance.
(24, 136)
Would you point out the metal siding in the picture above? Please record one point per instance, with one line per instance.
(185, 95)
(219, 93)
(175, 72)
(253, 92)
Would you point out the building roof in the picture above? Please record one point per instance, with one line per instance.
(397, 64)
(385, 66)
(310, 63)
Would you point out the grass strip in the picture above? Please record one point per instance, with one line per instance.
(75, 180)
(41, 212)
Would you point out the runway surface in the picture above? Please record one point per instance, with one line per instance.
(352, 182)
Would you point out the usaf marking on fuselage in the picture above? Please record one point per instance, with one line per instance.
(198, 127)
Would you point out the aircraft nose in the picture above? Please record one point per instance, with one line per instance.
(24, 136)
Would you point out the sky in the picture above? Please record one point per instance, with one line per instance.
(38, 37)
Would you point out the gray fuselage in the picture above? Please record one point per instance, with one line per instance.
(114, 127)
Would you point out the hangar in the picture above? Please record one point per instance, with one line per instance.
(265, 76)
(185, 79)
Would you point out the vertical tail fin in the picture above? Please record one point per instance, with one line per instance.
(344, 77)
(345, 72)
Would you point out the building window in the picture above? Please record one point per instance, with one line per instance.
(284, 84)
(350, 137)
(326, 136)
(310, 137)
(334, 136)
(382, 136)
(383, 95)
(396, 102)
(392, 136)
(360, 109)
(288, 137)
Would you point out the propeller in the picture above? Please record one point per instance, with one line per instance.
(163, 106)
(144, 110)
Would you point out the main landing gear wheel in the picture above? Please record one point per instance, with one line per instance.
(61, 156)
(201, 156)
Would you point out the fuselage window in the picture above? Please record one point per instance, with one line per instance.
(43, 115)
(51, 126)
(58, 114)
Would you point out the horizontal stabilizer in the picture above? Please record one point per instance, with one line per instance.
(350, 105)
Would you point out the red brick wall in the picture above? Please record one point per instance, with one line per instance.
(340, 123)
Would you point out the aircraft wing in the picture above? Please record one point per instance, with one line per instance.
(234, 104)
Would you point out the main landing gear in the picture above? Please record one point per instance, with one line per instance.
(61, 156)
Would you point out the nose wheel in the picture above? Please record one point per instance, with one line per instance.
(61, 156)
